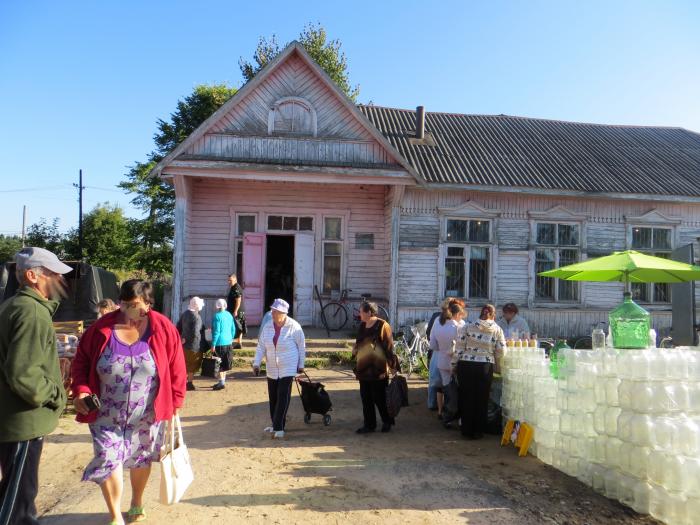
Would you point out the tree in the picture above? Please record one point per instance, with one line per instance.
(44, 235)
(315, 41)
(155, 197)
(9, 246)
(107, 238)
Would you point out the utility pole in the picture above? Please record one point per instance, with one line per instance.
(24, 223)
(80, 214)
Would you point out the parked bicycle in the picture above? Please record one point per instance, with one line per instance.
(412, 353)
(337, 312)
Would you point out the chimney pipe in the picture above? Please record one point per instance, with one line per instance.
(420, 122)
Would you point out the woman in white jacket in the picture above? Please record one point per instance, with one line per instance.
(443, 339)
(283, 346)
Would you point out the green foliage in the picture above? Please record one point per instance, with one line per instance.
(44, 235)
(107, 240)
(315, 41)
(154, 233)
(9, 246)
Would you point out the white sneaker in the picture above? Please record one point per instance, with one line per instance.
(278, 435)
(269, 429)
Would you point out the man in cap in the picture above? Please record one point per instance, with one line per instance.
(31, 386)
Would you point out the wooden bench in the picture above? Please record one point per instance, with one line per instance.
(69, 327)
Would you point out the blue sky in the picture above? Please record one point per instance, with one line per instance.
(83, 83)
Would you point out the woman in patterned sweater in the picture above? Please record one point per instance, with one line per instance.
(477, 355)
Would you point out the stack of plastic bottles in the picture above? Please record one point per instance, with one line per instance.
(626, 422)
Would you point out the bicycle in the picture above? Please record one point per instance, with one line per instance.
(414, 352)
(337, 312)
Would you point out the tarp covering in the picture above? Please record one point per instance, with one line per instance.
(87, 286)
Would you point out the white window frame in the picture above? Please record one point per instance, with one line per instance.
(557, 249)
(651, 287)
(238, 237)
(341, 242)
(282, 231)
(467, 246)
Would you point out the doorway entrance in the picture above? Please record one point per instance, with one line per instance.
(279, 270)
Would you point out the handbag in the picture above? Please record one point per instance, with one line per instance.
(450, 411)
(395, 395)
(175, 467)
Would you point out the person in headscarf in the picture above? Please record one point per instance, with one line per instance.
(190, 328)
(223, 332)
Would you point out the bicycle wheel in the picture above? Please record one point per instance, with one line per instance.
(336, 315)
(383, 313)
(423, 347)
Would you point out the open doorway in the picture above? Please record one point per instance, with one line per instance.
(279, 270)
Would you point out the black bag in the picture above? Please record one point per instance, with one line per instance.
(210, 366)
(314, 397)
(450, 411)
(395, 395)
(204, 345)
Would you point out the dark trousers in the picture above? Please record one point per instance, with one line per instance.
(374, 393)
(474, 380)
(280, 392)
(19, 462)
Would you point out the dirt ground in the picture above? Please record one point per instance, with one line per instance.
(418, 473)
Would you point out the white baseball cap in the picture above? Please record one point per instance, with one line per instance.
(32, 257)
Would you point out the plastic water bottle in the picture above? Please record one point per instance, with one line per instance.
(598, 338)
(652, 338)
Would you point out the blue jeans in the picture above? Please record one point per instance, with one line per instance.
(434, 383)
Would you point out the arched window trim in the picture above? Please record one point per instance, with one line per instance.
(298, 100)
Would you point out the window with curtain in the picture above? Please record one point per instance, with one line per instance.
(332, 253)
(657, 242)
(468, 257)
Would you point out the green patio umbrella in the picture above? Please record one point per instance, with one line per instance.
(627, 267)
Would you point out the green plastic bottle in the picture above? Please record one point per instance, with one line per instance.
(556, 359)
(629, 324)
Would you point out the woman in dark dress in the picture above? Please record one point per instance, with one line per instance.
(374, 356)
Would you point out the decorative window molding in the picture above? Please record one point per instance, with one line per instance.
(654, 217)
(292, 116)
(471, 210)
(557, 213)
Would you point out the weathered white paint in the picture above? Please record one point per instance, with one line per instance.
(393, 213)
(182, 196)
(303, 277)
(209, 255)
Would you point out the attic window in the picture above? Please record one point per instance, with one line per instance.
(292, 116)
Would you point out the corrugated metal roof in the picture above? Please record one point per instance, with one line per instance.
(501, 150)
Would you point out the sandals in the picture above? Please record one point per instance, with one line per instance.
(135, 514)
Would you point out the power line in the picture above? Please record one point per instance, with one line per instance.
(40, 188)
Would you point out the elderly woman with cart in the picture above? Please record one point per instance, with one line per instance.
(283, 346)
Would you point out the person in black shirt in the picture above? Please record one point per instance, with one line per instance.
(234, 304)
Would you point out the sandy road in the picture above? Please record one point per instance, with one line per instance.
(418, 473)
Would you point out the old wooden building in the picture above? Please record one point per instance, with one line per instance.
(291, 185)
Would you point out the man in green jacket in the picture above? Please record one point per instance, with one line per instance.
(31, 387)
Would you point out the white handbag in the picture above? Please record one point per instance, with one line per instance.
(175, 467)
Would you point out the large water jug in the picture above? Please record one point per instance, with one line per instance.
(629, 324)
(611, 391)
(598, 477)
(641, 491)
(624, 425)
(677, 364)
(688, 437)
(691, 476)
(557, 363)
(641, 429)
(611, 416)
(599, 419)
(665, 432)
(625, 490)
(638, 461)
(612, 483)
(656, 466)
(610, 362)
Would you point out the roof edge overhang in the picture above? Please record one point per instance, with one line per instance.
(563, 193)
(287, 173)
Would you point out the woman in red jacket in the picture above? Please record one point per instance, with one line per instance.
(132, 359)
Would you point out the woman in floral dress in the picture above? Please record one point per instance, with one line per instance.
(133, 360)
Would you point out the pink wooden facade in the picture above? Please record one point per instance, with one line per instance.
(290, 146)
